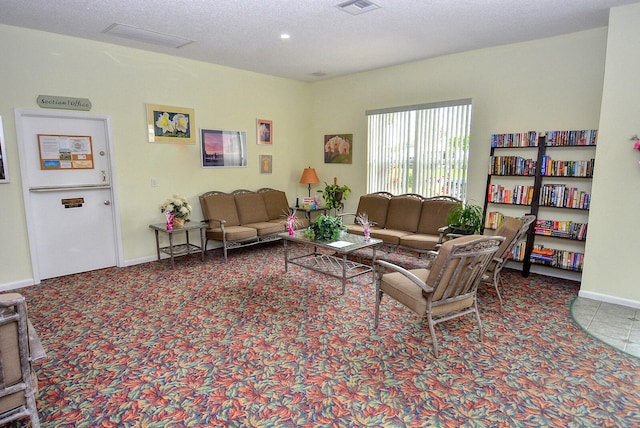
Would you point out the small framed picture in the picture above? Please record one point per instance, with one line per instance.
(171, 124)
(265, 131)
(223, 148)
(266, 165)
(4, 172)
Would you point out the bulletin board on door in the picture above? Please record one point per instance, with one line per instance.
(65, 152)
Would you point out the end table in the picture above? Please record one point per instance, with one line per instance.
(180, 249)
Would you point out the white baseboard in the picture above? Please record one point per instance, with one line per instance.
(140, 261)
(18, 284)
(609, 299)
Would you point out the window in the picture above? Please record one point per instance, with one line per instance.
(420, 149)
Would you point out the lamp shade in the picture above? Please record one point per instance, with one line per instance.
(309, 176)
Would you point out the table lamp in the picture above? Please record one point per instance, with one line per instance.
(309, 177)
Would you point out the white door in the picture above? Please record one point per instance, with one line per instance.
(70, 200)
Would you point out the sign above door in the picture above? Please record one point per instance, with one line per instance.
(68, 103)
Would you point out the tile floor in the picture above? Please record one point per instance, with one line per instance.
(619, 326)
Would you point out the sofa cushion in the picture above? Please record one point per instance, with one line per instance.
(420, 241)
(434, 215)
(234, 233)
(264, 228)
(276, 203)
(389, 236)
(375, 206)
(404, 213)
(251, 208)
(356, 229)
(220, 206)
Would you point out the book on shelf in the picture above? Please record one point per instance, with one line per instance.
(517, 253)
(511, 165)
(561, 196)
(563, 259)
(517, 139)
(561, 229)
(584, 137)
(520, 195)
(581, 168)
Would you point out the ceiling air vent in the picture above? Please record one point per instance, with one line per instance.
(356, 7)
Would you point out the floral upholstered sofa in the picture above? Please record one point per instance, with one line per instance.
(244, 217)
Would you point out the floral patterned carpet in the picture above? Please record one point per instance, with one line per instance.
(245, 344)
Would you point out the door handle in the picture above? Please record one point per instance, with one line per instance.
(107, 202)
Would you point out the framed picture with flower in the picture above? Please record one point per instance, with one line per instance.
(265, 131)
(338, 148)
(170, 124)
(223, 148)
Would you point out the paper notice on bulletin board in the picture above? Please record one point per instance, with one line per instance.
(65, 152)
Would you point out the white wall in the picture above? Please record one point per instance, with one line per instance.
(611, 269)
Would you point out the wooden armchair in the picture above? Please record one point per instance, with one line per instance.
(19, 347)
(447, 288)
(513, 229)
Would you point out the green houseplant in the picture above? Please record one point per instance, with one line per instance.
(465, 219)
(333, 194)
(325, 228)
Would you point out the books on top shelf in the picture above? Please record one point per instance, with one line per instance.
(518, 139)
(561, 229)
(584, 137)
(579, 137)
(561, 196)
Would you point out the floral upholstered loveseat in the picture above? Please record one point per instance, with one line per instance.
(244, 217)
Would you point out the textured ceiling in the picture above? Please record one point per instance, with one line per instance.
(325, 41)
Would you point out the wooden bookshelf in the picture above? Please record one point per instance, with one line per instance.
(528, 172)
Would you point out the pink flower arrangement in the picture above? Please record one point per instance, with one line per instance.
(292, 220)
(363, 220)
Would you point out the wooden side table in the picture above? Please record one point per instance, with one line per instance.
(180, 249)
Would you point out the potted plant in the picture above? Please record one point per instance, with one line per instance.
(334, 194)
(325, 228)
(465, 219)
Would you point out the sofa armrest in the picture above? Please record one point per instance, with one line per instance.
(220, 221)
(442, 231)
(347, 214)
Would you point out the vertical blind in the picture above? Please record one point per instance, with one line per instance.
(420, 149)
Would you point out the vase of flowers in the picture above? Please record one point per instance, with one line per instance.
(363, 220)
(177, 210)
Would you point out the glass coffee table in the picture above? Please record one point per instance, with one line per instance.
(336, 265)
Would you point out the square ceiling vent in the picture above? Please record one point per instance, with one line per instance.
(356, 7)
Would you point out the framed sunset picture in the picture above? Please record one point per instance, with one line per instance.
(223, 148)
